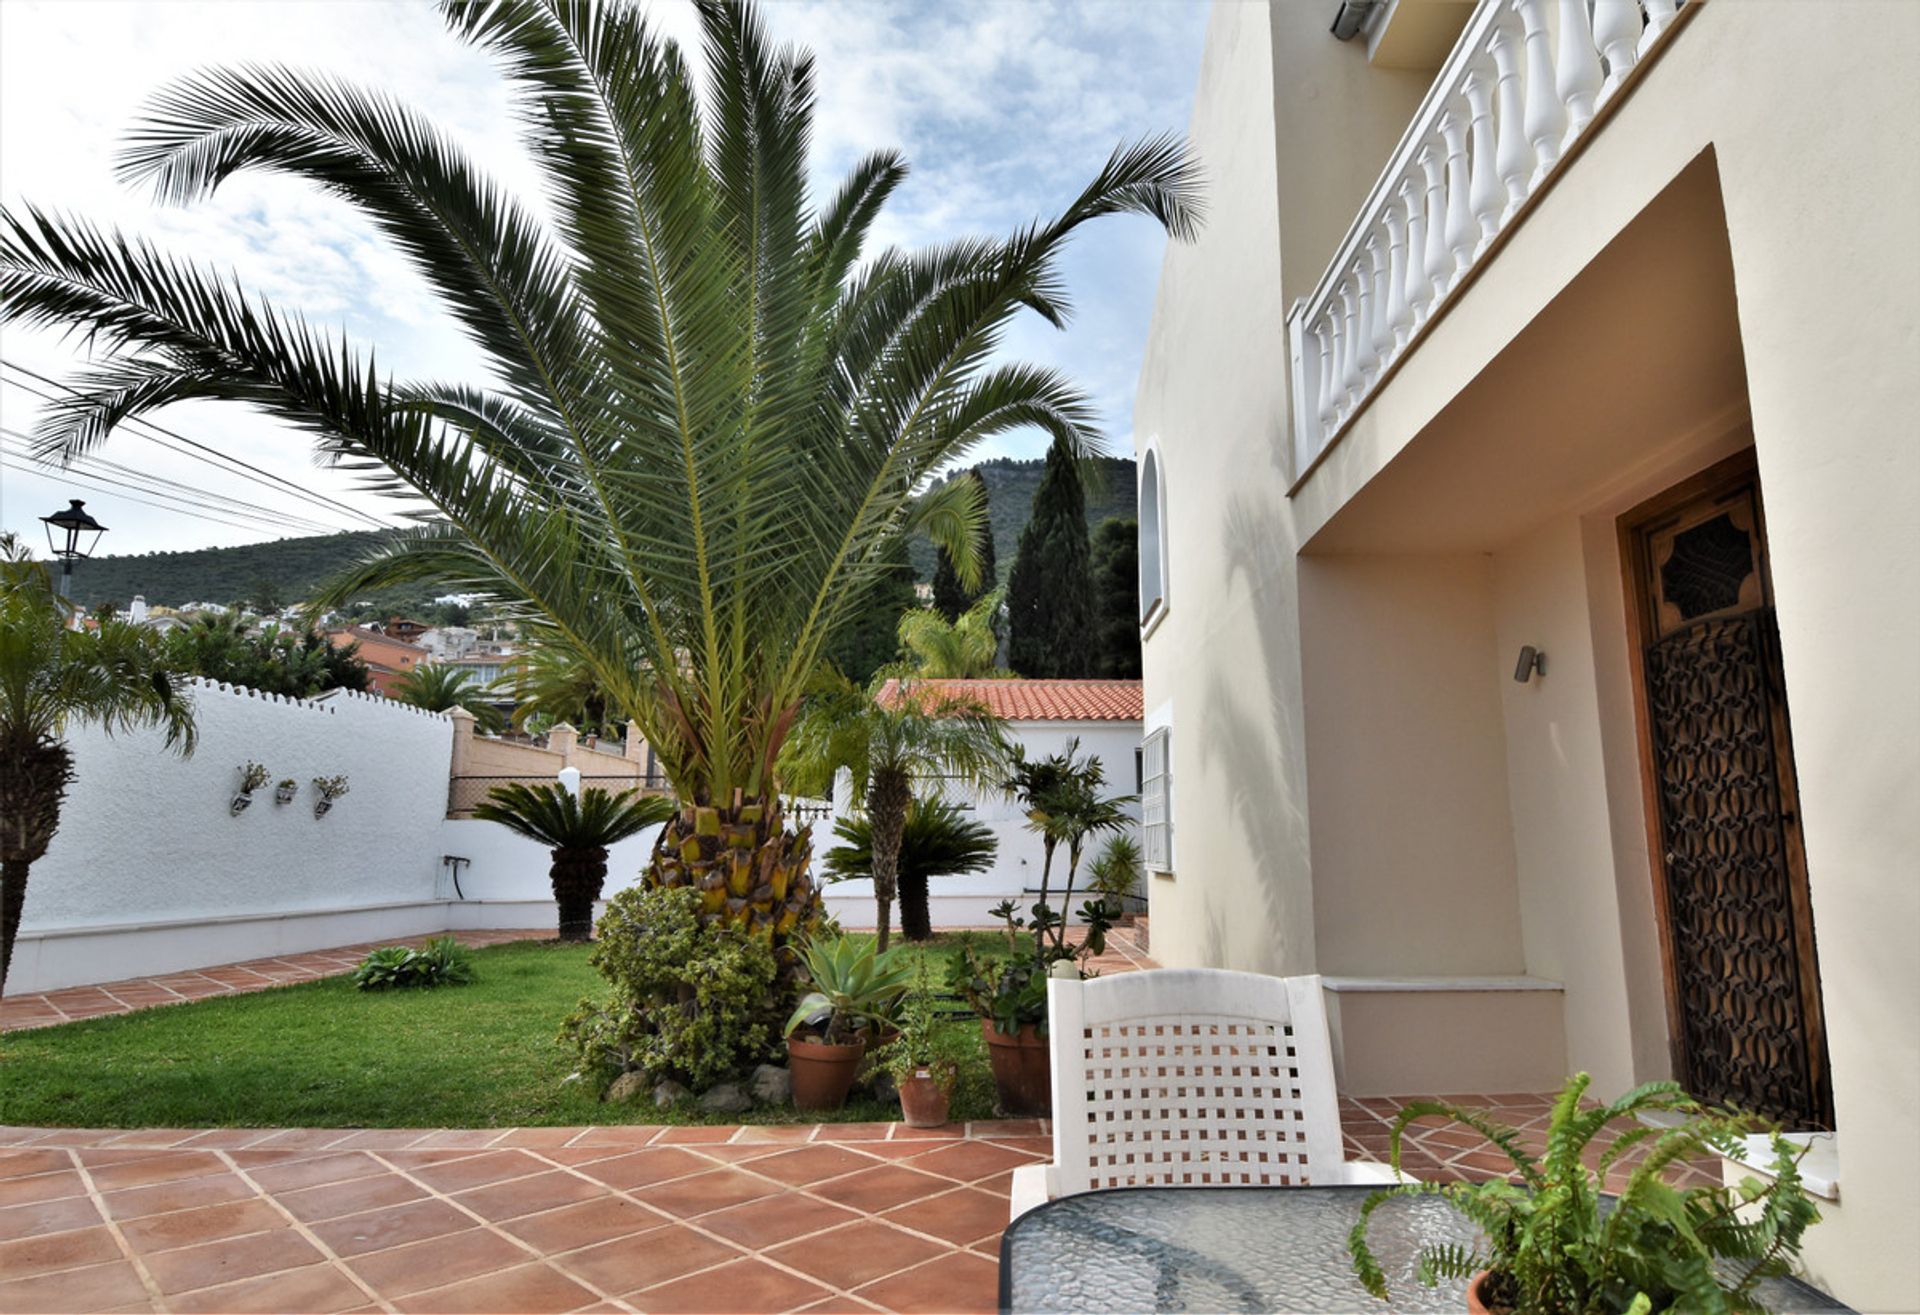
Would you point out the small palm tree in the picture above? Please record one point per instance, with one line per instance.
(962, 649)
(1074, 811)
(938, 841)
(578, 831)
(441, 688)
(551, 680)
(891, 737)
(52, 678)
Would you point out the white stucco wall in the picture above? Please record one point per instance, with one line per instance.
(964, 901)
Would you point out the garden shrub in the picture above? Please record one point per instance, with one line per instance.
(442, 961)
(690, 1001)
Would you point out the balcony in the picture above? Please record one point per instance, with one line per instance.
(1524, 86)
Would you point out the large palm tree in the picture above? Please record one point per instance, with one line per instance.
(54, 676)
(709, 410)
(578, 829)
(890, 738)
(439, 687)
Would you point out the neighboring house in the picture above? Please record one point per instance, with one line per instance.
(1042, 716)
(405, 629)
(163, 621)
(448, 641)
(1508, 338)
(387, 658)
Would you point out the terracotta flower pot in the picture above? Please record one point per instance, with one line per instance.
(1021, 1070)
(1475, 1306)
(925, 1098)
(822, 1072)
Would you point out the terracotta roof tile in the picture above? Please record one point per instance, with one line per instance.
(1040, 700)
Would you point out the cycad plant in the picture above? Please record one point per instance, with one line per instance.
(438, 687)
(54, 677)
(939, 840)
(962, 649)
(709, 409)
(578, 830)
(891, 737)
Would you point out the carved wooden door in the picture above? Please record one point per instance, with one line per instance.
(1743, 984)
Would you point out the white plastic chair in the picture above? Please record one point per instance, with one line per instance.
(1190, 1077)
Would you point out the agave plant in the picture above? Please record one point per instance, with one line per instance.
(938, 841)
(578, 831)
(852, 983)
(710, 410)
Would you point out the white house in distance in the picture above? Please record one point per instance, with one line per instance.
(1528, 475)
(1042, 716)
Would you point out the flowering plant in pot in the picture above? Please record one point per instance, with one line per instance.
(1555, 1244)
(923, 1058)
(285, 789)
(853, 987)
(329, 788)
(253, 775)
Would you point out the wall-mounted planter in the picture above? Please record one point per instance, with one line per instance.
(241, 802)
(329, 788)
(252, 777)
(322, 806)
(285, 791)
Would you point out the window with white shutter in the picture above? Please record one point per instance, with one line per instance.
(1156, 799)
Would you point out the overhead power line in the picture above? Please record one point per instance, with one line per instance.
(8, 462)
(202, 452)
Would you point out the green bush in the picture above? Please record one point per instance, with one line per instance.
(442, 961)
(690, 1002)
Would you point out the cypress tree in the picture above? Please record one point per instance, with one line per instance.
(951, 598)
(1116, 597)
(868, 640)
(1050, 592)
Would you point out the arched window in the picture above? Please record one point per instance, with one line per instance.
(1153, 548)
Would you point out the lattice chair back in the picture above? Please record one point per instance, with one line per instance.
(1190, 1078)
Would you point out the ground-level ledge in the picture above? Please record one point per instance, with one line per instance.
(1354, 984)
(1819, 1170)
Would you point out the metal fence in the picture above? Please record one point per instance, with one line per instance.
(465, 793)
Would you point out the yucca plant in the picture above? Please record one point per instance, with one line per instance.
(578, 830)
(710, 410)
(55, 676)
(939, 840)
(437, 687)
(1554, 1246)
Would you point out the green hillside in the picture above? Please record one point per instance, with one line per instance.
(295, 566)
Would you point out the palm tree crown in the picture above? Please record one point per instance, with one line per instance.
(438, 687)
(708, 414)
(961, 649)
(578, 829)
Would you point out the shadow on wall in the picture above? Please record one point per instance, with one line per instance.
(1259, 918)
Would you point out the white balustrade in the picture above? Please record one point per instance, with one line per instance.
(1521, 86)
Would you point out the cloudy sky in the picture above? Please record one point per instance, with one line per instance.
(1003, 107)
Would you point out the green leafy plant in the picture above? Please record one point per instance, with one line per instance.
(1011, 989)
(1115, 874)
(923, 1044)
(442, 961)
(578, 832)
(438, 687)
(1555, 1246)
(253, 775)
(939, 840)
(853, 984)
(690, 1000)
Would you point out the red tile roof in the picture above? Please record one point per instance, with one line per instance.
(1039, 700)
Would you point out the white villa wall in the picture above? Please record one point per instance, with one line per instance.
(964, 901)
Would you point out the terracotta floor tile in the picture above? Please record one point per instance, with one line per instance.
(970, 1161)
(856, 1132)
(538, 1137)
(98, 1287)
(477, 1170)
(961, 1216)
(235, 1258)
(183, 1195)
(317, 1171)
(40, 1187)
(959, 1281)
(881, 1188)
(998, 1128)
(644, 1259)
(392, 1226)
(811, 1164)
(530, 1288)
(210, 1223)
(838, 1306)
(38, 1217)
(583, 1224)
(379, 1139)
(644, 1168)
(744, 1285)
(460, 1139)
(947, 1132)
(775, 1219)
(56, 1251)
(153, 1167)
(437, 1262)
(526, 1196)
(348, 1198)
(313, 1289)
(715, 1189)
(856, 1253)
(775, 1132)
(24, 1163)
(673, 1136)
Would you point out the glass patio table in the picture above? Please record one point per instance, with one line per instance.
(1243, 1249)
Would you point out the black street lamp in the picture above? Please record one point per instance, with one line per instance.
(65, 530)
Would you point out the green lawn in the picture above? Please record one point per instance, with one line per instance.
(322, 1054)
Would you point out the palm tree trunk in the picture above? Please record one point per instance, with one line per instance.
(578, 875)
(34, 775)
(916, 922)
(751, 872)
(889, 796)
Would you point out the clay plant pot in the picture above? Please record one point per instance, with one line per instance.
(1021, 1070)
(1475, 1306)
(823, 1072)
(924, 1099)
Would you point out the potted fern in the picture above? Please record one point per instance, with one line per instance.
(1554, 1244)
